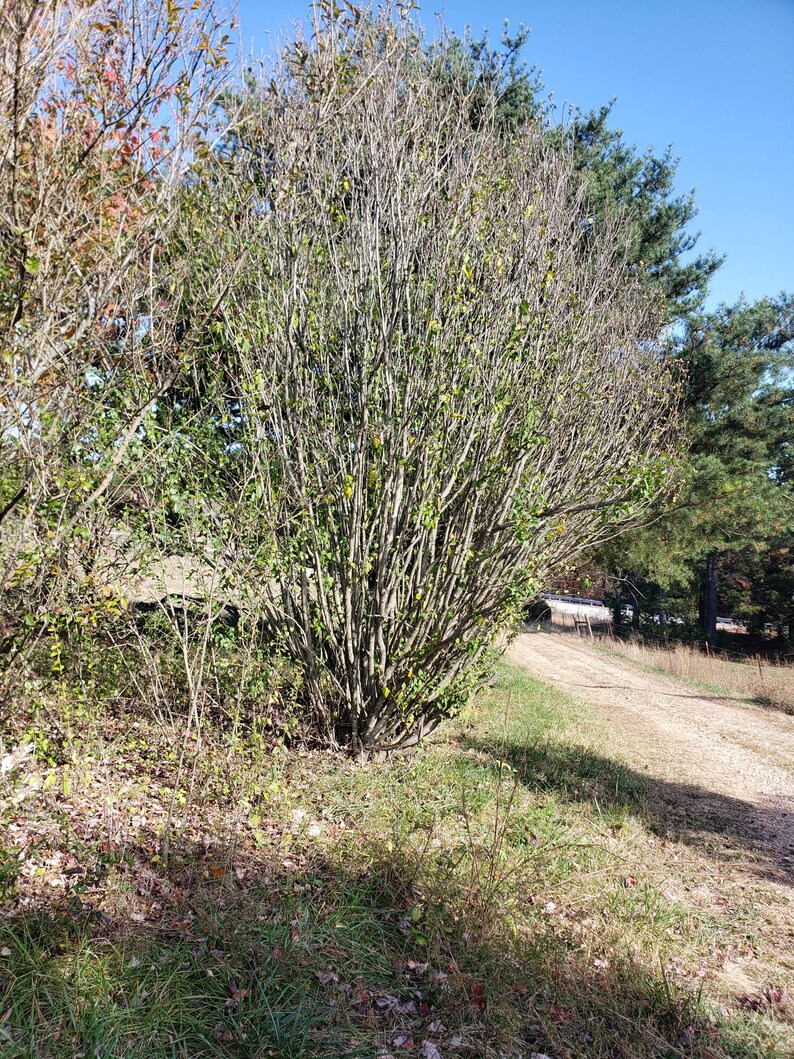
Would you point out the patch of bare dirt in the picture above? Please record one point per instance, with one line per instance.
(709, 756)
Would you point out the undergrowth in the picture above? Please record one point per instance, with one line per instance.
(508, 890)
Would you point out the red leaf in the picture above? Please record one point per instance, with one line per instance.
(478, 996)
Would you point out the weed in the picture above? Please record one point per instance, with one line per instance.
(763, 682)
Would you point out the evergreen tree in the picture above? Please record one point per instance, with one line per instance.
(642, 188)
(640, 185)
(732, 518)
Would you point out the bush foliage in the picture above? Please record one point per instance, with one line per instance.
(361, 376)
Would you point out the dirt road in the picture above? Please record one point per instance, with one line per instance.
(723, 763)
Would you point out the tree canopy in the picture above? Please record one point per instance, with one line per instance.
(735, 498)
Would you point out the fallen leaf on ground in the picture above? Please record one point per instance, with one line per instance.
(325, 977)
(478, 996)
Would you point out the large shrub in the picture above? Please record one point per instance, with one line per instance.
(444, 381)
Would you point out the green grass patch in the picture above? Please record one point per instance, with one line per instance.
(508, 890)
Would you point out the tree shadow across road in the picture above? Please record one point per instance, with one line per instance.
(672, 810)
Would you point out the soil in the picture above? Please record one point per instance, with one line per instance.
(725, 763)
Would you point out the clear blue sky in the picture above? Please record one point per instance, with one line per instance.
(714, 78)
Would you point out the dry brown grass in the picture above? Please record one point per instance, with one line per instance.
(761, 681)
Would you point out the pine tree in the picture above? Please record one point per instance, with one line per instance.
(732, 519)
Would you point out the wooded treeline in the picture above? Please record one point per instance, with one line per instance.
(312, 376)
(723, 541)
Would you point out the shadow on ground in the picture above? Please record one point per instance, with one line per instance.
(675, 811)
(229, 955)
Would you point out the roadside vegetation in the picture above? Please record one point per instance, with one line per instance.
(509, 889)
(345, 349)
(310, 379)
(764, 682)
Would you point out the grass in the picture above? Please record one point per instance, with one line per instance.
(509, 890)
(763, 682)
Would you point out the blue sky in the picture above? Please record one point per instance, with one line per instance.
(714, 78)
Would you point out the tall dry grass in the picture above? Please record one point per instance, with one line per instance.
(771, 684)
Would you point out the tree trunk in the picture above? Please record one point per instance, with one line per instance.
(710, 582)
(617, 611)
(631, 582)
